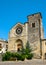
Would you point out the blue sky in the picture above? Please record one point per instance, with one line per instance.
(13, 11)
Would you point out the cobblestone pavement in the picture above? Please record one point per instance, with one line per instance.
(26, 62)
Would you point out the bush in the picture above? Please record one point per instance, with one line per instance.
(29, 56)
(6, 56)
(16, 56)
(22, 57)
(19, 56)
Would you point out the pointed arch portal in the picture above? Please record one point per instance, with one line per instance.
(19, 44)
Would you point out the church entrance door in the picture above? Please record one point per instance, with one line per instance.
(19, 45)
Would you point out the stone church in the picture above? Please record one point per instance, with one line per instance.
(31, 31)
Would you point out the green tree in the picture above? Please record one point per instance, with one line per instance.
(22, 50)
(28, 48)
(28, 51)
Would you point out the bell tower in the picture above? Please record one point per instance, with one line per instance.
(35, 33)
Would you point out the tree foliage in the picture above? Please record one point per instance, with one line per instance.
(28, 48)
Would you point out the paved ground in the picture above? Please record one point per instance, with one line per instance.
(0, 57)
(26, 62)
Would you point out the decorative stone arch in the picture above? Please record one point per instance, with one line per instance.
(19, 44)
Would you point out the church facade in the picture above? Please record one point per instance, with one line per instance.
(31, 31)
